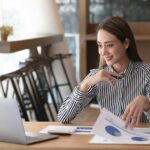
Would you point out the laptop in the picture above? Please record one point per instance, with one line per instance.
(11, 125)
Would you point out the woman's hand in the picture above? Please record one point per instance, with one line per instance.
(134, 110)
(102, 75)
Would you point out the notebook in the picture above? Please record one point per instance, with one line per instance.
(11, 125)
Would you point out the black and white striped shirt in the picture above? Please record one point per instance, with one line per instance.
(135, 81)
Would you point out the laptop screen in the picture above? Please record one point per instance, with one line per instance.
(11, 125)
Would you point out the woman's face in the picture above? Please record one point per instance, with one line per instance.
(112, 49)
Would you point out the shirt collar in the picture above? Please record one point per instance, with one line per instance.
(127, 71)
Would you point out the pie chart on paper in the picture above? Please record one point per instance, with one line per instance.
(112, 130)
(139, 138)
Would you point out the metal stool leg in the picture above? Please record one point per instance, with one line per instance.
(4, 91)
(60, 57)
(56, 85)
(48, 87)
(37, 101)
(19, 97)
(41, 88)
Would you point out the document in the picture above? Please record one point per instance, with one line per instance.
(100, 140)
(111, 129)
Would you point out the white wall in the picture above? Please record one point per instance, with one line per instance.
(38, 17)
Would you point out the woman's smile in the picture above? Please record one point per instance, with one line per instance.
(108, 58)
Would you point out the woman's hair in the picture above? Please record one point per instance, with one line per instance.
(120, 28)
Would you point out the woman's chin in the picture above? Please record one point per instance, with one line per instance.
(109, 63)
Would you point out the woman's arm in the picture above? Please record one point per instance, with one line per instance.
(74, 104)
(82, 95)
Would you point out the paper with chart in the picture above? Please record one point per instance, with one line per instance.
(111, 129)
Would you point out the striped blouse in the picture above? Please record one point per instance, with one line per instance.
(135, 81)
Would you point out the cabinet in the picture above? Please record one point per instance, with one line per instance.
(89, 57)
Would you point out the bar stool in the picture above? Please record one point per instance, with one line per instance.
(47, 79)
(40, 85)
(43, 83)
(61, 57)
(51, 76)
(25, 92)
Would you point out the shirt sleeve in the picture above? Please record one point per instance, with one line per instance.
(148, 90)
(148, 94)
(75, 103)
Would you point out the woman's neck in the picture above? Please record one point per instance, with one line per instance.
(120, 67)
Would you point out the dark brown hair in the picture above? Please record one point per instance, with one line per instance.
(120, 28)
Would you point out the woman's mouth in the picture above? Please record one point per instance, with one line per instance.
(108, 58)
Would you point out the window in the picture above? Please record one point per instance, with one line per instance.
(131, 10)
(68, 10)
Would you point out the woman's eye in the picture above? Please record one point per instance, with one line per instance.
(110, 45)
(99, 46)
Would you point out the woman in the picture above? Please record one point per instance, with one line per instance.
(121, 84)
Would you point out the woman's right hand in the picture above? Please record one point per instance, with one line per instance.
(134, 110)
(102, 75)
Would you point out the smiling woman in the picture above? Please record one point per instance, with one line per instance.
(112, 49)
(116, 44)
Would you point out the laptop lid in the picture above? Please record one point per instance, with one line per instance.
(11, 125)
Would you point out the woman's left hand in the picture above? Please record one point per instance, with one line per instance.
(134, 110)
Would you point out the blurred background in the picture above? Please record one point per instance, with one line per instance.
(76, 21)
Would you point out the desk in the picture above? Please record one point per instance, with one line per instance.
(73, 142)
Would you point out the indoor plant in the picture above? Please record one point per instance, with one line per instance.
(5, 31)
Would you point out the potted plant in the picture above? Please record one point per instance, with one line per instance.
(5, 31)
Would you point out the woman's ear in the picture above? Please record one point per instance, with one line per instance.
(126, 43)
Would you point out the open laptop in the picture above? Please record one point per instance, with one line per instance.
(11, 125)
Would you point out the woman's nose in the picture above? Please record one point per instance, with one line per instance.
(104, 51)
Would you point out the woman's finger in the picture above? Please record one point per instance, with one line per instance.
(125, 114)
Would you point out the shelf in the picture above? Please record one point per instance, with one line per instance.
(91, 37)
(142, 38)
(88, 47)
(29, 43)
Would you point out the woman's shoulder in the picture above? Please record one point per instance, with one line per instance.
(95, 70)
(144, 67)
